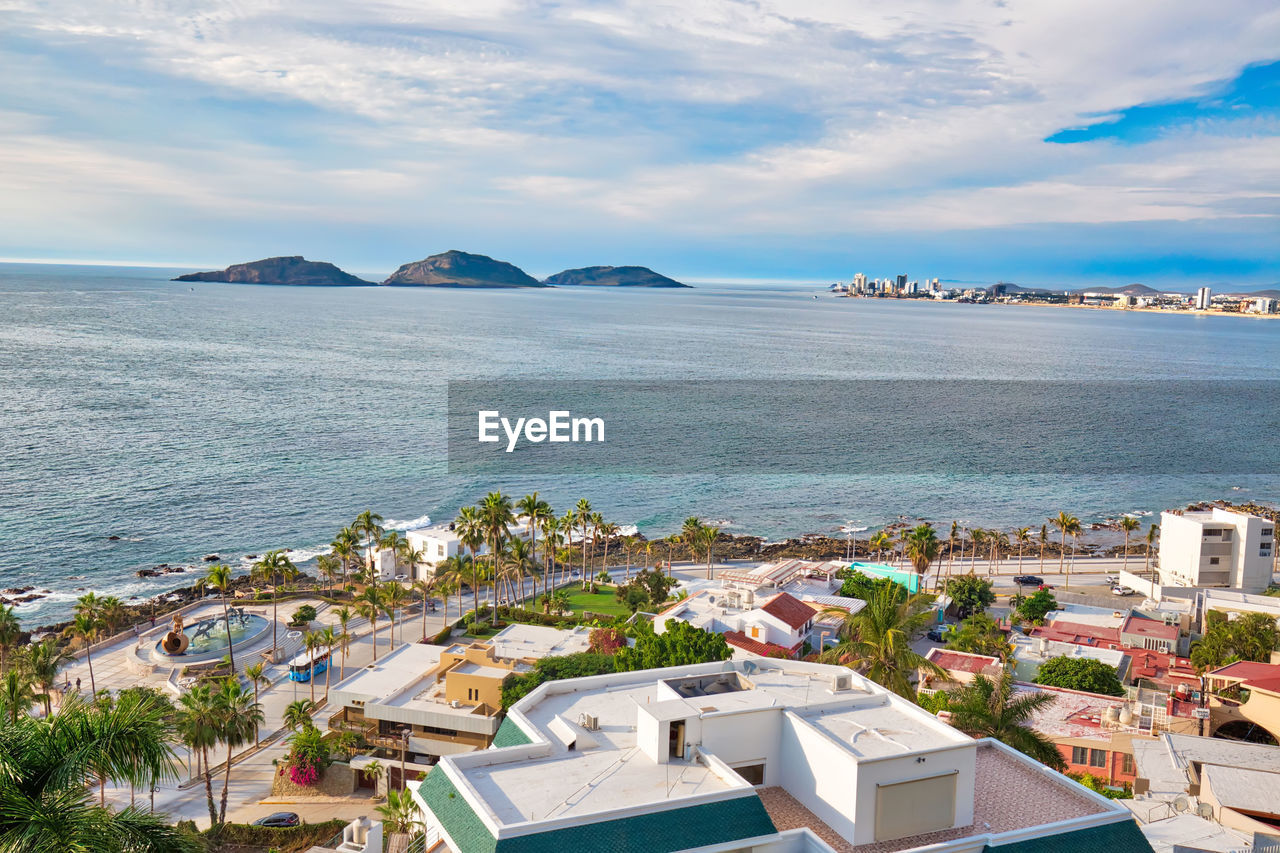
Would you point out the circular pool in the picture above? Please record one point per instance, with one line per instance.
(208, 639)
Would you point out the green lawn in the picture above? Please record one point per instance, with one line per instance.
(602, 602)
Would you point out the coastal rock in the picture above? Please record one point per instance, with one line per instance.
(461, 269)
(147, 573)
(210, 558)
(113, 538)
(293, 270)
(612, 277)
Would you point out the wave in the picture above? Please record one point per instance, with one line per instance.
(853, 527)
(420, 521)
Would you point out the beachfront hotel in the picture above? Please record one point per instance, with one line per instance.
(752, 756)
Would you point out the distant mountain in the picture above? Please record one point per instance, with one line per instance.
(1271, 293)
(460, 269)
(294, 270)
(612, 277)
(1127, 290)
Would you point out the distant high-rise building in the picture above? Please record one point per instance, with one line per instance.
(1204, 297)
(902, 281)
(860, 283)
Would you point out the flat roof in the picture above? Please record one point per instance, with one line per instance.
(1240, 788)
(392, 673)
(518, 640)
(1145, 626)
(472, 668)
(607, 770)
(960, 661)
(1074, 713)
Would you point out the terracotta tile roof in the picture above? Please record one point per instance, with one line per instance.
(961, 661)
(1248, 669)
(789, 609)
(742, 641)
(1146, 627)
(1079, 633)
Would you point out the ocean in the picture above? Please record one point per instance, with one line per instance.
(213, 418)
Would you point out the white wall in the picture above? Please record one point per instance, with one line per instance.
(821, 776)
(751, 737)
(961, 758)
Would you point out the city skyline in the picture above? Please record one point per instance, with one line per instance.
(708, 141)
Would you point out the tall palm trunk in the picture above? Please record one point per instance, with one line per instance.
(226, 785)
(208, 787)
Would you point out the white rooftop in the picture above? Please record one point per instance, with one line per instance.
(1030, 652)
(390, 674)
(1239, 788)
(607, 769)
(538, 641)
(1166, 762)
(1194, 832)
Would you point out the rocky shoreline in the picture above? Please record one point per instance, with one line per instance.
(819, 547)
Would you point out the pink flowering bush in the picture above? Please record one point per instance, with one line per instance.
(303, 774)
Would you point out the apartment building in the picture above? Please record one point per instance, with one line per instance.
(443, 700)
(1216, 548)
(751, 756)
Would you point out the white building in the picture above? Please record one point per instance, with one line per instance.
(1218, 548)
(772, 609)
(749, 757)
(1204, 298)
(436, 544)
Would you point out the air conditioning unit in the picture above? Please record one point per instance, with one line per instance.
(841, 681)
(589, 722)
(454, 703)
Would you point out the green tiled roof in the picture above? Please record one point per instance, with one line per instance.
(1121, 837)
(467, 831)
(509, 734)
(657, 832)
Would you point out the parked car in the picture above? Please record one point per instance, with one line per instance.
(1028, 580)
(938, 633)
(1121, 590)
(278, 820)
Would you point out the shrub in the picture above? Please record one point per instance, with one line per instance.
(1086, 674)
(516, 687)
(303, 615)
(681, 644)
(606, 641)
(970, 594)
(291, 839)
(1034, 607)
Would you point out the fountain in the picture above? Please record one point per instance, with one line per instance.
(208, 639)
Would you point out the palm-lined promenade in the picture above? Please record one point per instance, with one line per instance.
(207, 741)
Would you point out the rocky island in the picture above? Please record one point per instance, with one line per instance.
(612, 277)
(461, 269)
(292, 270)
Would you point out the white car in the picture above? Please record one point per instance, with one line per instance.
(1121, 590)
(1114, 580)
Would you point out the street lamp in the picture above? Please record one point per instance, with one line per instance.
(403, 733)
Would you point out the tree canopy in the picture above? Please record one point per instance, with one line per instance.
(1251, 636)
(970, 594)
(1087, 674)
(1034, 607)
(681, 644)
(979, 635)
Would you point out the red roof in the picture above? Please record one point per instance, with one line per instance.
(789, 609)
(1146, 627)
(1249, 670)
(960, 661)
(742, 641)
(1081, 634)
(1271, 685)
(1160, 667)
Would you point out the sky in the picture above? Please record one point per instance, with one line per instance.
(1040, 143)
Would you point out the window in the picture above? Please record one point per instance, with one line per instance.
(752, 774)
(1213, 561)
(1079, 755)
(1097, 758)
(1212, 531)
(1268, 531)
(1126, 766)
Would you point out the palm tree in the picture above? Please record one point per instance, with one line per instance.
(876, 640)
(1023, 537)
(240, 716)
(629, 544)
(268, 569)
(608, 530)
(951, 547)
(1067, 524)
(582, 515)
(1044, 540)
(672, 541)
(256, 673)
(219, 578)
(706, 538)
(399, 817)
(329, 568)
(199, 724)
(519, 560)
(470, 529)
(550, 541)
(567, 523)
(369, 605)
(50, 762)
(534, 510)
(17, 694)
(994, 709)
(922, 550)
(346, 547)
(424, 587)
(345, 616)
(979, 538)
(1128, 524)
(879, 542)
(85, 626)
(10, 632)
(394, 542)
(297, 714)
(597, 522)
(1152, 532)
(395, 596)
(368, 526)
(113, 614)
(452, 575)
(312, 643)
(328, 639)
(999, 546)
(496, 516)
(413, 557)
(42, 661)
